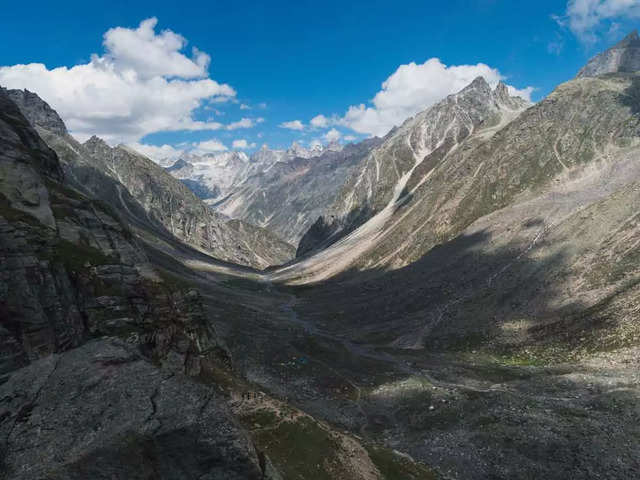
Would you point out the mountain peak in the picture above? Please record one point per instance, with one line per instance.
(96, 145)
(633, 39)
(37, 111)
(478, 82)
(623, 57)
(179, 164)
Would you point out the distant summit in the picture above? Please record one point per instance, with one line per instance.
(622, 57)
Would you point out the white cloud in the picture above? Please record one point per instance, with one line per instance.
(319, 121)
(244, 106)
(150, 55)
(244, 123)
(140, 85)
(350, 138)
(209, 146)
(584, 17)
(521, 92)
(414, 87)
(242, 144)
(292, 125)
(332, 135)
(315, 143)
(157, 152)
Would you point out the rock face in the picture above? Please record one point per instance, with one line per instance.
(71, 270)
(102, 411)
(622, 57)
(37, 111)
(149, 197)
(408, 154)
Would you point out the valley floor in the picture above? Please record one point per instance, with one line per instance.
(462, 413)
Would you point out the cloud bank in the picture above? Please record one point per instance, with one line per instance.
(143, 83)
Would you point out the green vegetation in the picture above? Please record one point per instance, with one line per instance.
(261, 418)
(300, 450)
(173, 282)
(76, 256)
(395, 467)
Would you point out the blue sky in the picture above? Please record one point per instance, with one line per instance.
(287, 61)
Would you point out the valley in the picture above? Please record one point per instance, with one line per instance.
(458, 299)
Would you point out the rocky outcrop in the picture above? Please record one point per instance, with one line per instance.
(624, 57)
(102, 411)
(37, 111)
(71, 270)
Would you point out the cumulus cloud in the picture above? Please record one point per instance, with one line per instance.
(244, 106)
(332, 135)
(151, 55)
(585, 17)
(292, 125)
(350, 138)
(414, 87)
(319, 121)
(244, 123)
(143, 83)
(209, 146)
(242, 144)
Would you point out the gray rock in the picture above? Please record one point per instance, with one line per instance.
(415, 146)
(37, 111)
(624, 57)
(103, 412)
(287, 197)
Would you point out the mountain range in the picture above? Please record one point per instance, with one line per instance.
(280, 190)
(458, 299)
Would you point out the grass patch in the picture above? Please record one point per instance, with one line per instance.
(76, 256)
(261, 418)
(396, 467)
(300, 450)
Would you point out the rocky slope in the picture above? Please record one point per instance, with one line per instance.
(147, 196)
(407, 158)
(622, 57)
(70, 272)
(579, 134)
